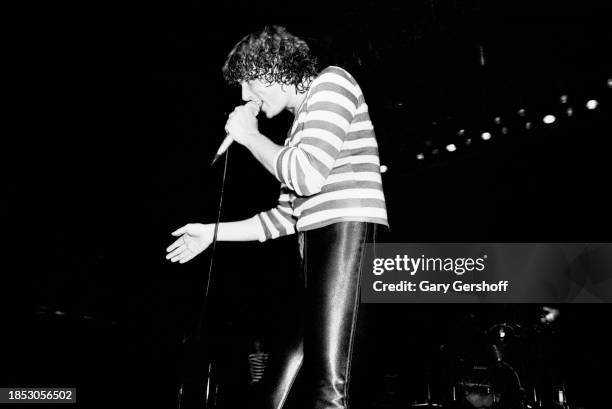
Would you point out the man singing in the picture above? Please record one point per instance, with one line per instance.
(331, 193)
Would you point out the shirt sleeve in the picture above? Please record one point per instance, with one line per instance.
(278, 221)
(331, 107)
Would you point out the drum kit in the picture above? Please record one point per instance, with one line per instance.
(509, 367)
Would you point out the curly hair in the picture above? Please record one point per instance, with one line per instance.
(272, 55)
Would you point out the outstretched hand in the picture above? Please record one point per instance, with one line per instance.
(194, 239)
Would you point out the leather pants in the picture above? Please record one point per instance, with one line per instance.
(332, 259)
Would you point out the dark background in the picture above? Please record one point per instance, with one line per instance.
(125, 107)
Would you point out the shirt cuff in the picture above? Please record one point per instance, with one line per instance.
(261, 234)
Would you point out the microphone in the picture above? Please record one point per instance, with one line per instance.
(254, 107)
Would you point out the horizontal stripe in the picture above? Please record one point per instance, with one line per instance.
(334, 97)
(350, 176)
(341, 194)
(361, 116)
(361, 126)
(359, 159)
(350, 184)
(327, 106)
(328, 116)
(337, 77)
(324, 135)
(325, 125)
(360, 143)
(350, 167)
(365, 151)
(346, 204)
(347, 91)
(332, 213)
(352, 135)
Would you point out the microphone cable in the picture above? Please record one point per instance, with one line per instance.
(214, 244)
(198, 330)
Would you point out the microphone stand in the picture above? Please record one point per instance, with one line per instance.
(207, 388)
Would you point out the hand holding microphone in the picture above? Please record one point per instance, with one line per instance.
(240, 123)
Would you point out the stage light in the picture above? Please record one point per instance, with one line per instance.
(563, 99)
(521, 112)
(592, 104)
(485, 136)
(468, 141)
(504, 131)
(451, 147)
(420, 156)
(549, 119)
(609, 82)
(528, 125)
(497, 120)
(435, 151)
(548, 315)
(569, 111)
(461, 132)
(383, 168)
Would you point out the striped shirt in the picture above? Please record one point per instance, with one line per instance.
(329, 167)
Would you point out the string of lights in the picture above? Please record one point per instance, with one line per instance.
(523, 120)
